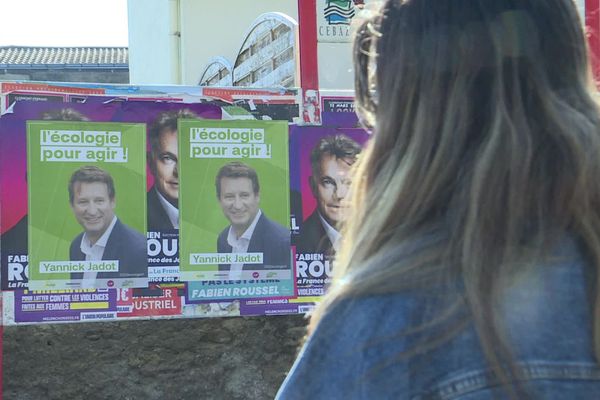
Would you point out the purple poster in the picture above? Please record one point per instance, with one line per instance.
(339, 111)
(320, 161)
(65, 305)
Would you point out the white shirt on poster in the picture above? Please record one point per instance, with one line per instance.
(170, 209)
(334, 236)
(94, 252)
(240, 245)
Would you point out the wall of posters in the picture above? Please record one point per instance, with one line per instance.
(14, 195)
(13, 188)
(40, 221)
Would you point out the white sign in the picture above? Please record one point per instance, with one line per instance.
(333, 20)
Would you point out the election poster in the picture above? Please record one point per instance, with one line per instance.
(162, 195)
(320, 162)
(322, 176)
(234, 209)
(11, 92)
(87, 209)
(14, 259)
(33, 306)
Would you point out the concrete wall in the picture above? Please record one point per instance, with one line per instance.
(217, 358)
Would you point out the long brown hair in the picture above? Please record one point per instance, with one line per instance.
(485, 148)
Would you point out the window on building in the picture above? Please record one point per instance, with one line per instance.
(283, 57)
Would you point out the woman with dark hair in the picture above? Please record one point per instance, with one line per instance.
(469, 264)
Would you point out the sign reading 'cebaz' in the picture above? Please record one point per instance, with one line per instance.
(334, 17)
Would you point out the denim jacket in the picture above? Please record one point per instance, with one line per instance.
(546, 313)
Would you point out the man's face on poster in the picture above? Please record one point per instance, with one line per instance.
(331, 186)
(165, 159)
(93, 208)
(239, 202)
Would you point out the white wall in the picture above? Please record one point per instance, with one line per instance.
(152, 42)
(335, 66)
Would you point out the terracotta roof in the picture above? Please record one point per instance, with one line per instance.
(15, 56)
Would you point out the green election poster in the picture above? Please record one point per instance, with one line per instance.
(234, 209)
(87, 205)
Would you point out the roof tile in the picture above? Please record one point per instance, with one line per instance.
(63, 55)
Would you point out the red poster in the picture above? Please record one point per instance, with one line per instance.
(168, 303)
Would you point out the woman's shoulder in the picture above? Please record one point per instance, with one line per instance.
(349, 351)
(546, 310)
(364, 347)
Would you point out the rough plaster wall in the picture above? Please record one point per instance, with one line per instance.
(216, 358)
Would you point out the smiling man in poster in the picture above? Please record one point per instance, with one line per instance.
(234, 210)
(93, 199)
(257, 242)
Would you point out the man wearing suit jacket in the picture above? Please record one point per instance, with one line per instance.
(330, 161)
(105, 237)
(238, 192)
(162, 201)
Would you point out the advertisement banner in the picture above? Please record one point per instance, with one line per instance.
(87, 209)
(234, 203)
(65, 305)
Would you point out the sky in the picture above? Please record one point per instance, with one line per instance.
(63, 23)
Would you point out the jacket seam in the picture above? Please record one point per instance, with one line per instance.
(532, 371)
